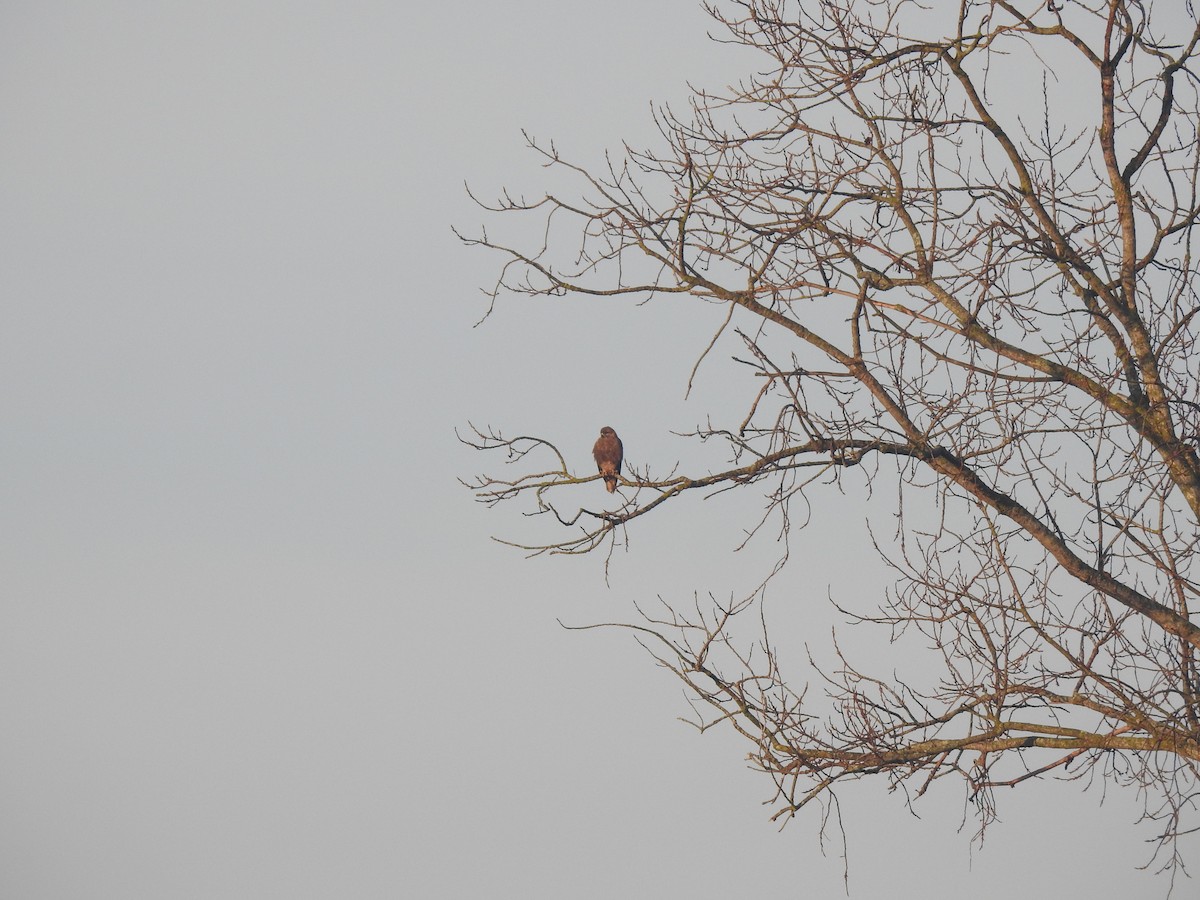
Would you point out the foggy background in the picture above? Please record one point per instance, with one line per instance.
(255, 640)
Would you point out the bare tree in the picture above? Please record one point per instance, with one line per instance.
(956, 253)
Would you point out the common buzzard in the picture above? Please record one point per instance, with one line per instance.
(608, 454)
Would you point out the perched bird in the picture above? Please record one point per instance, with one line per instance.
(608, 454)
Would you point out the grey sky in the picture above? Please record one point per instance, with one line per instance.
(254, 639)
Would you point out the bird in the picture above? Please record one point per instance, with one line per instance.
(608, 454)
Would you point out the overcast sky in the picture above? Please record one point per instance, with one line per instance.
(255, 641)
